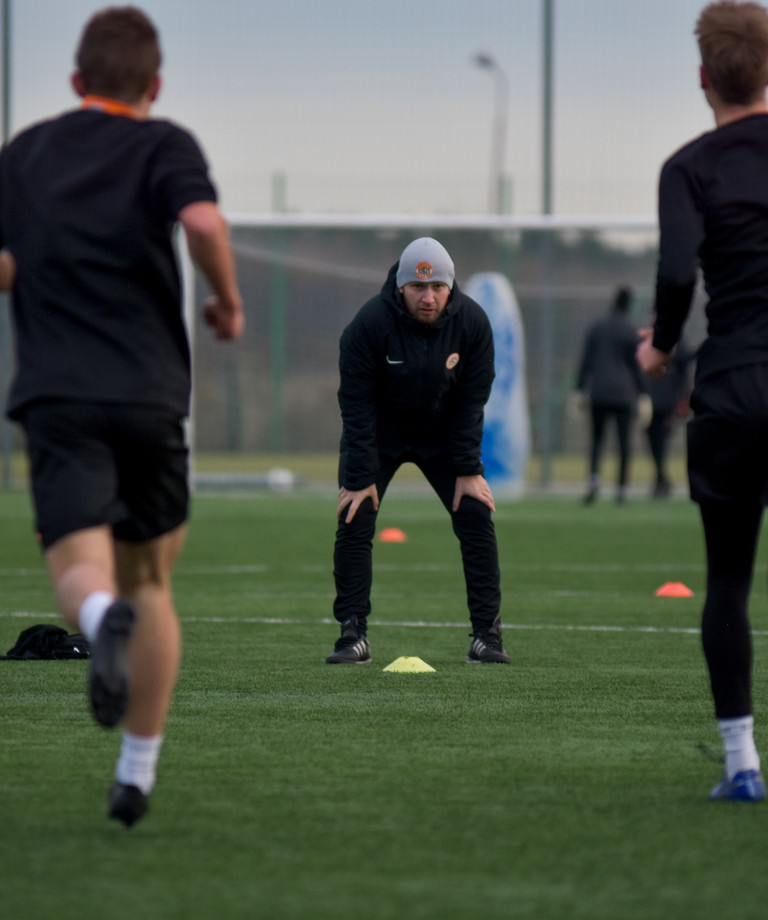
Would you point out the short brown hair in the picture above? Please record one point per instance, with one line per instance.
(119, 53)
(733, 41)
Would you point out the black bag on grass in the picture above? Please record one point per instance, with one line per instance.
(47, 641)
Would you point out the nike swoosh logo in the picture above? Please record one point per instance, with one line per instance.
(390, 361)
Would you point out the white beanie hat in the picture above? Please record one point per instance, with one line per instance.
(425, 260)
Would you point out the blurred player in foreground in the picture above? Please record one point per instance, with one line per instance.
(88, 202)
(713, 211)
(416, 367)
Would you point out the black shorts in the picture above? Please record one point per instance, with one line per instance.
(95, 463)
(728, 437)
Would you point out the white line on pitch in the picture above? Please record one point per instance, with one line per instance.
(287, 621)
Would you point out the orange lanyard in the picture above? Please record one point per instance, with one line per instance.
(109, 106)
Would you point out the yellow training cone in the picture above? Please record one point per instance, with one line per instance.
(409, 664)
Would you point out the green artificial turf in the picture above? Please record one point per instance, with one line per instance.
(571, 784)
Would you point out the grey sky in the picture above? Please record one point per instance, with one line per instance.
(375, 105)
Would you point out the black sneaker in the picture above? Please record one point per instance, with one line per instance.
(108, 680)
(486, 646)
(127, 804)
(352, 647)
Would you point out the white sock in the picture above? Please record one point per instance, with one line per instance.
(137, 763)
(740, 751)
(92, 613)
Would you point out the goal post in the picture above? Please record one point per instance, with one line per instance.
(304, 275)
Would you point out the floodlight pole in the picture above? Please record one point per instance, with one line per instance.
(547, 308)
(547, 85)
(5, 12)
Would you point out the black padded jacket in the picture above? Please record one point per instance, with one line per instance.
(411, 387)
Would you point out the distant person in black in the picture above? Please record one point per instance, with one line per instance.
(669, 403)
(416, 367)
(609, 378)
(88, 204)
(713, 213)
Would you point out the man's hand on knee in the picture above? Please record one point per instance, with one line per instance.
(354, 500)
(474, 487)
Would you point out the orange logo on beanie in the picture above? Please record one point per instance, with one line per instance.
(424, 271)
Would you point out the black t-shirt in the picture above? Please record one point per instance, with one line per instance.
(713, 212)
(88, 202)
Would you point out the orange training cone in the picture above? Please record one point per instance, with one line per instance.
(674, 589)
(392, 535)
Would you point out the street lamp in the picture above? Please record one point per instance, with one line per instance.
(497, 194)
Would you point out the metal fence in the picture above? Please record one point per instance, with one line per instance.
(304, 278)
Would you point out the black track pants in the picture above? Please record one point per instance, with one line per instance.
(472, 524)
(600, 416)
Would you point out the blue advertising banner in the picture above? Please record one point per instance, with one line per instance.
(507, 433)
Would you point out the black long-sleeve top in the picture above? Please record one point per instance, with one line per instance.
(411, 386)
(713, 213)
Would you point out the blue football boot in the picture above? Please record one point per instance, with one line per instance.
(746, 786)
